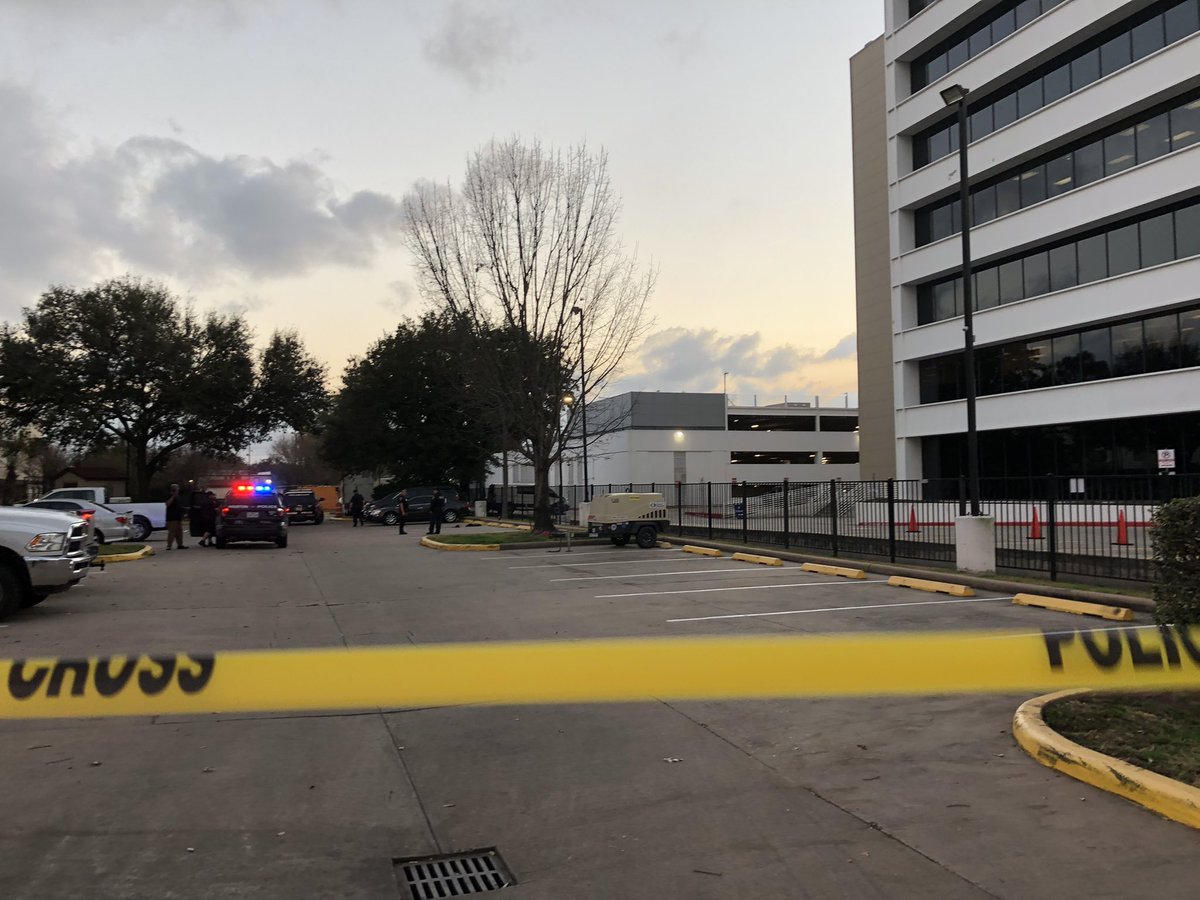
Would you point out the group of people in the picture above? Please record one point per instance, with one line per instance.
(437, 510)
(176, 509)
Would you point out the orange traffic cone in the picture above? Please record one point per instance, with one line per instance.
(913, 526)
(1122, 531)
(1035, 528)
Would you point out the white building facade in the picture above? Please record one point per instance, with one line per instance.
(1084, 161)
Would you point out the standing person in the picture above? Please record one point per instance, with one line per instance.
(175, 519)
(402, 509)
(208, 518)
(437, 507)
(356, 508)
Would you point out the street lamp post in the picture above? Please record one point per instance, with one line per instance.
(956, 95)
(578, 311)
(567, 400)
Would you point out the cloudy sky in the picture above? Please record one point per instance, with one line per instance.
(252, 153)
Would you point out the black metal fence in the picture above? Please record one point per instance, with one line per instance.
(1059, 526)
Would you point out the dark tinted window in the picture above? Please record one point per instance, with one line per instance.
(1027, 11)
(1085, 69)
(1011, 282)
(1066, 359)
(1029, 98)
(987, 288)
(1181, 20)
(1189, 338)
(1089, 163)
(1033, 185)
(956, 55)
(1120, 152)
(984, 205)
(1004, 25)
(839, 423)
(1015, 367)
(939, 223)
(1158, 240)
(1148, 37)
(1123, 250)
(1187, 232)
(980, 40)
(988, 364)
(1153, 138)
(1093, 259)
(981, 123)
(1060, 176)
(1063, 273)
(1127, 349)
(1056, 84)
(1004, 111)
(943, 301)
(1185, 125)
(1008, 195)
(1114, 54)
(1162, 343)
(1037, 274)
(1095, 354)
(936, 68)
(1040, 363)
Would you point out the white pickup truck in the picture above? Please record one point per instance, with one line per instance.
(147, 517)
(41, 553)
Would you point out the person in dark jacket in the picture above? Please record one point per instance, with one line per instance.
(208, 518)
(402, 510)
(356, 508)
(437, 509)
(175, 519)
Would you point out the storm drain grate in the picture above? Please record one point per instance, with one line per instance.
(455, 874)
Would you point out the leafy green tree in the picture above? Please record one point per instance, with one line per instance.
(126, 362)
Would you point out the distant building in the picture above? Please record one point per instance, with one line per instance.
(113, 481)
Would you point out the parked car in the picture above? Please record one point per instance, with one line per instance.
(108, 526)
(303, 506)
(45, 552)
(520, 500)
(252, 515)
(384, 509)
(147, 517)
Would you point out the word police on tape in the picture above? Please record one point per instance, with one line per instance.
(599, 671)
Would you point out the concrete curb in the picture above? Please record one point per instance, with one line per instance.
(471, 520)
(438, 545)
(1165, 796)
(127, 557)
(552, 545)
(998, 585)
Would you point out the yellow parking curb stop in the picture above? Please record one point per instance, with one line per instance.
(936, 587)
(666, 545)
(439, 545)
(1078, 607)
(840, 571)
(703, 551)
(127, 557)
(755, 558)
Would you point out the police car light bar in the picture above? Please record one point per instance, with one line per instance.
(255, 488)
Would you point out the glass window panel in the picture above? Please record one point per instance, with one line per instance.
(1015, 366)
(955, 217)
(920, 152)
(1181, 20)
(1189, 338)
(1037, 274)
(1187, 231)
(987, 288)
(1012, 282)
(1153, 138)
(958, 296)
(1033, 186)
(939, 223)
(1093, 259)
(929, 380)
(981, 123)
(1115, 54)
(1066, 359)
(983, 205)
(918, 76)
(980, 40)
(957, 55)
(1085, 69)
(1162, 343)
(1095, 354)
(1123, 255)
(925, 304)
(1063, 271)
(1185, 125)
(1120, 152)
(987, 361)
(936, 68)
(1027, 11)
(1029, 98)
(1056, 84)
(1008, 195)
(939, 144)
(1040, 363)
(921, 224)
(943, 301)
(1148, 37)
(1158, 240)
(1060, 175)
(1127, 349)
(1003, 25)
(1004, 111)
(1089, 163)
(952, 133)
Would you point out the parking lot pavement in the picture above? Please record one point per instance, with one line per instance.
(896, 797)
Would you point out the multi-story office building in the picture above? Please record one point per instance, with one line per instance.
(1084, 161)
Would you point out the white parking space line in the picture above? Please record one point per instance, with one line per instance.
(510, 555)
(800, 612)
(742, 569)
(623, 562)
(752, 587)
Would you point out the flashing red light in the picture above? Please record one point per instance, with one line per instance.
(225, 511)
(244, 487)
(87, 513)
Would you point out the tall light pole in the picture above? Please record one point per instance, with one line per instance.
(956, 95)
(578, 311)
(725, 386)
(567, 400)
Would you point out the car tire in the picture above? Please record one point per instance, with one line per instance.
(12, 592)
(141, 529)
(32, 599)
(390, 518)
(450, 516)
(99, 536)
(281, 542)
(647, 537)
(620, 539)
(222, 543)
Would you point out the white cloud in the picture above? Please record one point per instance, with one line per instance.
(473, 45)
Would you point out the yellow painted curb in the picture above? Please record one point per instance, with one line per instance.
(1163, 795)
(1078, 607)
(474, 521)
(703, 551)
(438, 545)
(666, 545)
(937, 587)
(841, 571)
(755, 558)
(127, 557)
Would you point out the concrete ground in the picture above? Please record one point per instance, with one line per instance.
(909, 797)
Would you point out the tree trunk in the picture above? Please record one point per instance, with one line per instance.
(141, 474)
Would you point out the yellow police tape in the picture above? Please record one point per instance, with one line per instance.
(599, 671)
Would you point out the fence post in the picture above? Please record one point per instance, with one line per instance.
(653, 487)
(679, 504)
(1051, 522)
(962, 496)
(833, 517)
(745, 515)
(891, 495)
(786, 519)
(710, 510)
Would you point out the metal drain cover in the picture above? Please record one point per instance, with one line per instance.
(453, 874)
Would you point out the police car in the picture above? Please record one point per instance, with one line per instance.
(252, 511)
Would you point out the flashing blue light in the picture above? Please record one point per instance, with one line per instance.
(262, 489)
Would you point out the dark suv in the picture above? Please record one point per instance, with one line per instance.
(383, 510)
(303, 506)
(252, 516)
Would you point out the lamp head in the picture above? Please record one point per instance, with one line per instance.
(956, 93)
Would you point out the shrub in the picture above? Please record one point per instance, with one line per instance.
(1176, 540)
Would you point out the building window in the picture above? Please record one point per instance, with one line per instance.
(767, 458)
(772, 423)
(840, 457)
(839, 423)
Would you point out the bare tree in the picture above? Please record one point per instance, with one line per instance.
(528, 249)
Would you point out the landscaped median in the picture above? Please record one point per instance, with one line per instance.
(505, 539)
(1154, 739)
(124, 552)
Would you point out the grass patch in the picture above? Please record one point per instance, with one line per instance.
(1157, 731)
(504, 537)
(114, 549)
